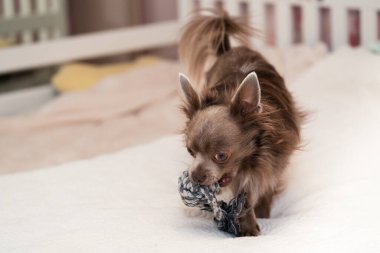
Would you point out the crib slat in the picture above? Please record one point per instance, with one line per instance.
(56, 33)
(325, 26)
(58, 8)
(43, 34)
(257, 21)
(55, 5)
(42, 7)
(378, 25)
(283, 23)
(207, 4)
(310, 22)
(232, 7)
(25, 11)
(368, 25)
(8, 13)
(184, 8)
(25, 7)
(8, 9)
(339, 25)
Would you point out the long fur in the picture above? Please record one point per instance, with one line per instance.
(207, 37)
(268, 137)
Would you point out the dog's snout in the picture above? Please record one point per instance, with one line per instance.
(199, 176)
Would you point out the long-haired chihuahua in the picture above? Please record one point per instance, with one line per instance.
(243, 124)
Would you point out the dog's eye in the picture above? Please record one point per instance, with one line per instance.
(220, 157)
(190, 151)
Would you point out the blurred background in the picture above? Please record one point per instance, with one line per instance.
(65, 18)
(84, 78)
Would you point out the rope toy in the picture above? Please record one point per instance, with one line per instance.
(226, 216)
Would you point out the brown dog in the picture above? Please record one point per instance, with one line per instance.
(243, 124)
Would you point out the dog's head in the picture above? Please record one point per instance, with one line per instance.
(215, 134)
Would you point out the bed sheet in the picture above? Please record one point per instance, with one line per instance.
(120, 111)
(128, 201)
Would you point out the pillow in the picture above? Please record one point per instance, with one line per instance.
(80, 76)
(6, 43)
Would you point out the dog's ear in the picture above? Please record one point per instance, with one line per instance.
(247, 98)
(190, 96)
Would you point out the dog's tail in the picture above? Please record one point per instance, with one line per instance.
(205, 37)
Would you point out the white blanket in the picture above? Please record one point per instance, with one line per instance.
(128, 202)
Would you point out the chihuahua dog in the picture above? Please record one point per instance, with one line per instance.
(243, 124)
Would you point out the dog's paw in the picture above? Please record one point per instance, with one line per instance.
(253, 230)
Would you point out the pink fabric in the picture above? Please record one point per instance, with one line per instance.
(119, 95)
(121, 111)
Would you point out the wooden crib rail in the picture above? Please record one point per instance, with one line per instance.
(88, 46)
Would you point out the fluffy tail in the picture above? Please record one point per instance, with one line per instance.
(206, 37)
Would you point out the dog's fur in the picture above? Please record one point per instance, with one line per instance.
(243, 124)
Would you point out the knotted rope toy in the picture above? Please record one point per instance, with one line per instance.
(226, 216)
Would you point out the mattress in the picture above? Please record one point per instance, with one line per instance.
(128, 201)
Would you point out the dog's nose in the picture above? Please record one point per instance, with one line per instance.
(198, 177)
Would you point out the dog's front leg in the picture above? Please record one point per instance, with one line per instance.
(248, 223)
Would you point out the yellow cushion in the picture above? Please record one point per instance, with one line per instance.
(6, 43)
(79, 76)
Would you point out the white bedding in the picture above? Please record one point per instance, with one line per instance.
(120, 111)
(128, 201)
